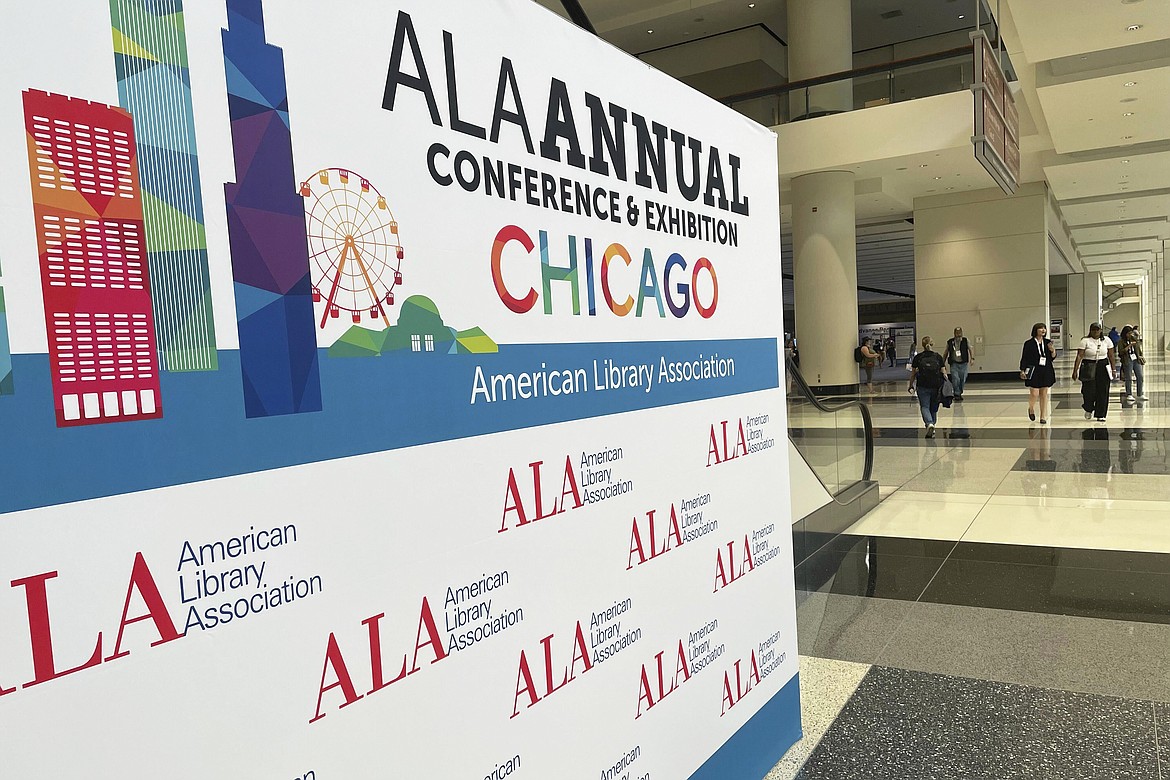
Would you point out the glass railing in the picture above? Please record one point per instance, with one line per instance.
(836, 440)
(875, 85)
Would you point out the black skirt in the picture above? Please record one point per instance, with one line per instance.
(1041, 376)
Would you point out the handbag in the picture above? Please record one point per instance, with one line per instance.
(1087, 372)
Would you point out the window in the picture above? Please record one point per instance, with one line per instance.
(430, 343)
(414, 343)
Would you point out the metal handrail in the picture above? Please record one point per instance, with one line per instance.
(807, 393)
(829, 78)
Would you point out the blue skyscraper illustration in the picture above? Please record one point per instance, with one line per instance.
(266, 227)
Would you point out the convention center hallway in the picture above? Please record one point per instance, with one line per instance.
(1005, 611)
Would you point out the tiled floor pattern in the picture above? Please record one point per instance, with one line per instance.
(1011, 592)
(825, 686)
(902, 724)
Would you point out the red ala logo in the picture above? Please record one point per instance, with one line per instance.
(656, 683)
(726, 571)
(526, 687)
(514, 504)
(744, 680)
(658, 535)
(426, 637)
(724, 445)
(40, 630)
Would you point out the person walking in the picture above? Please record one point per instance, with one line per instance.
(1130, 352)
(1114, 336)
(1036, 370)
(891, 351)
(926, 378)
(869, 360)
(959, 356)
(1094, 367)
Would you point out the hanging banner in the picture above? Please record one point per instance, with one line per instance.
(394, 388)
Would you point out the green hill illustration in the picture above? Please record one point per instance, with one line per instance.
(420, 328)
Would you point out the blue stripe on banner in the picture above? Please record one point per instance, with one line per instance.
(400, 399)
(753, 750)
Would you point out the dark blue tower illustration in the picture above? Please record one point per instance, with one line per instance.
(266, 227)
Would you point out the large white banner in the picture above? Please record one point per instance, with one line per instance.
(394, 392)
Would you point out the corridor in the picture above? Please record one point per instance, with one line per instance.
(1005, 611)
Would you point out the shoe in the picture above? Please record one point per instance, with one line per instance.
(1130, 398)
(1143, 398)
(958, 398)
(1101, 419)
(1043, 421)
(1088, 415)
(930, 431)
(1032, 416)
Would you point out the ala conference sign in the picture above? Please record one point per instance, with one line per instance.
(385, 387)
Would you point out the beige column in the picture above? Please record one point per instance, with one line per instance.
(824, 248)
(820, 42)
(1084, 305)
(981, 263)
(1164, 287)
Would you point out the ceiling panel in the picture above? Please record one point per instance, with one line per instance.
(1129, 173)
(1103, 112)
(1125, 258)
(1049, 29)
(1109, 210)
(1143, 228)
(1119, 247)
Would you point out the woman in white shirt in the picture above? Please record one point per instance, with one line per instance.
(1094, 368)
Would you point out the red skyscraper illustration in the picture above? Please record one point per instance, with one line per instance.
(103, 359)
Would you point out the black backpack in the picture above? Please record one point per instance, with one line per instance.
(857, 356)
(930, 370)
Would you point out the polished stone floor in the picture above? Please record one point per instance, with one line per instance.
(1005, 611)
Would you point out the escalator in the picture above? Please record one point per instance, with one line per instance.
(835, 440)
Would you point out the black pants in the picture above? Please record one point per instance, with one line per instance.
(1095, 394)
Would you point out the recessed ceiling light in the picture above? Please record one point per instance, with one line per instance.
(1128, 113)
(900, 169)
(962, 16)
(649, 32)
(923, 165)
(1126, 137)
(950, 188)
(751, 5)
(1133, 28)
(1131, 83)
(936, 178)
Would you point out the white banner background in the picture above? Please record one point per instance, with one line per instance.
(384, 530)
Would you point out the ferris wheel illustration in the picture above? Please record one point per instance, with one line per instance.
(355, 253)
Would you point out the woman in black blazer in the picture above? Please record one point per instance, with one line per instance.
(1036, 370)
